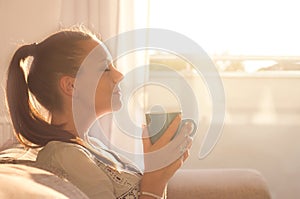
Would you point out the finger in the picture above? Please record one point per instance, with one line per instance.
(184, 131)
(186, 155)
(169, 133)
(169, 155)
(187, 128)
(190, 143)
(179, 162)
(186, 145)
(179, 144)
(146, 140)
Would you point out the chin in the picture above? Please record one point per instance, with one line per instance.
(116, 104)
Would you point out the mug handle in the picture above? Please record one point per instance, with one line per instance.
(182, 123)
(192, 133)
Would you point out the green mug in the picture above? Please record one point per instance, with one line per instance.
(157, 124)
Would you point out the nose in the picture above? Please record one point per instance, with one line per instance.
(117, 76)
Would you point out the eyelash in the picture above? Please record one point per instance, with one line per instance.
(107, 69)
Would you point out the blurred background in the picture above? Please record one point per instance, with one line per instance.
(255, 46)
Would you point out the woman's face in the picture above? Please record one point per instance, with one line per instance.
(108, 96)
(95, 71)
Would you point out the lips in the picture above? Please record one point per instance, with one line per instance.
(117, 92)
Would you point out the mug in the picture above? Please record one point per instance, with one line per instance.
(157, 124)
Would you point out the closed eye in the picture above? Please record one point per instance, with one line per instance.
(107, 69)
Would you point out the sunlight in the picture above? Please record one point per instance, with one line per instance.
(256, 27)
(254, 66)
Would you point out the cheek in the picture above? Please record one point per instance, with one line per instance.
(103, 93)
(98, 94)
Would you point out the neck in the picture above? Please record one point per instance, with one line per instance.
(66, 119)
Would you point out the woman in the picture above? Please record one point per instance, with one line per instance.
(50, 81)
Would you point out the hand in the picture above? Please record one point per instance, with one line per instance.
(164, 157)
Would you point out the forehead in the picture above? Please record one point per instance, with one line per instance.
(97, 57)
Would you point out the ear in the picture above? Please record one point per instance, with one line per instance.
(66, 84)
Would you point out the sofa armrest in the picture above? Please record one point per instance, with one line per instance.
(218, 183)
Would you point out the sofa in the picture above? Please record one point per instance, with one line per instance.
(22, 178)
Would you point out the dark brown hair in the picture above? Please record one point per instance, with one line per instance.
(59, 54)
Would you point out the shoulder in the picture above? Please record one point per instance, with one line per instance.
(79, 167)
(58, 145)
(62, 147)
(56, 149)
(63, 152)
(74, 161)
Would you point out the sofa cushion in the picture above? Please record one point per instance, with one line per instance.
(23, 181)
(218, 183)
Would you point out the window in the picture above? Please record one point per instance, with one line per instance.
(250, 36)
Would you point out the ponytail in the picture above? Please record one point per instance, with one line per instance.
(30, 128)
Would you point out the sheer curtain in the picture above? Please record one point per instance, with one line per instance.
(100, 16)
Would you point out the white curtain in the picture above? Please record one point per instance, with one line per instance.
(100, 16)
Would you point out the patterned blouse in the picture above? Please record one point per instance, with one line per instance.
(88, 172)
